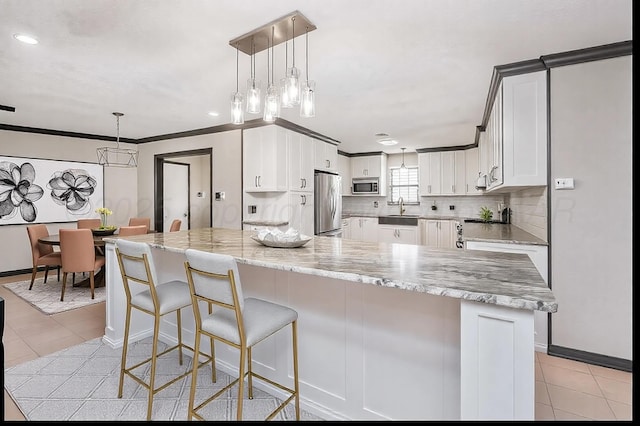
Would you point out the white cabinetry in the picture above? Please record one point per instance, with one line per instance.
(516, 134)
(326, 156)
(346, 228)
(438, 233)
(472, 169)
(538, 255)
(364, 229)
(301, 161)
(301, 212)
(452, 173)
(429, 168)
(264, 158)
(369, 166)
(344, 170)
(398, 234)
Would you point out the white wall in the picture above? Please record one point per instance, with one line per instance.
(120, 189)
(591, 225)
(128, 191)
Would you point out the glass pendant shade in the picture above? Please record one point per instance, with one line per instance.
(271, 104)
(237, 110)
(253, 96)
(307, 100)
(292, 87)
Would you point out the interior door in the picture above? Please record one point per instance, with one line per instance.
(176, 194)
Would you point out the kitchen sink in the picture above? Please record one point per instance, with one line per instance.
(401, 220)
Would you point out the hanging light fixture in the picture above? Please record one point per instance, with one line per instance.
(288, 92)
(253, 86)
(272, 99)
(237, 110)
(402, 166)
(117, 157)
(291, 79)
(307, 97)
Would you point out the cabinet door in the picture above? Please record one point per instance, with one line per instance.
(448, 172)
(265, 159)
(344, 170)
(359, 167)
(471, 171)
(435, 172)
(447, 237)
(301, 212)
(494, 143)
(374, 165)
(525, 129)
(326, 156)
(301, 162)
(370, 229)
(398, 234)
(431, 233)
(346, 228)
(356, 228)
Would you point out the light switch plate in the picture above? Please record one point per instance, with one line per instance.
(563, 183)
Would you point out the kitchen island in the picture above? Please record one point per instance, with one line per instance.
(386, 331)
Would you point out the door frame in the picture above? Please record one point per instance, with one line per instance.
(158, 184)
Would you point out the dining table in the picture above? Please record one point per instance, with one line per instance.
(54, 240)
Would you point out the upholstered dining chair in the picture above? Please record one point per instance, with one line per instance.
(132, 230)
(146, 294)
(78, 255)
(134, 221)
(42, 254)
(175, 225)
(235, 321)
(89, 223)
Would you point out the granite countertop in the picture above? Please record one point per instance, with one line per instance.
(498, 233)
(505, 279)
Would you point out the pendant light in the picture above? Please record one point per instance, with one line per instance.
(253, 86)
(402, 166)
(307, 97)
(272, 98)
(117, 157)
(291, 79)
(237, 110)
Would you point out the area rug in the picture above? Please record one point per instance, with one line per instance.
(81, 383)
(46, 297)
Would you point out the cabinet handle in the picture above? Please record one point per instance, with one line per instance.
(466, 188)
(328, 162)
(255, 181)
(453, 189)
(259, 180)
(301, 182)
(303, 200)
(429, 189)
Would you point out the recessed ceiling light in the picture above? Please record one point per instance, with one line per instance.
(25, 38)
(213, 113)
(387, 141)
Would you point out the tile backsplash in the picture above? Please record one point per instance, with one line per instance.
(463, 206)
(529, 211)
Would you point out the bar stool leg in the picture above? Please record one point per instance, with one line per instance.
(243, 353)
(250, 378)
(294, 332)
(154, 355)
(125, 346)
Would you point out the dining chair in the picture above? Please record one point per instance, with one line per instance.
(78, 255)
(134, 221)
(145, 293)
(132, 230)
(42, 254)
(238, 322)
(89, 223)
(175, 225)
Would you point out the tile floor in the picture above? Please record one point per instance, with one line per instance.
(565, 389)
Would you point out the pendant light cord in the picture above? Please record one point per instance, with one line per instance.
(237, 67)
(293, 42)
(117, 131)
(306, 51)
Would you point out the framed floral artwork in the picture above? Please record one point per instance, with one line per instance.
(34, 190)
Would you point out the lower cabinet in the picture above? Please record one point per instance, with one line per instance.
(364, 229)
(398, 234)
(438, 233)
(301, 213)
(346, 228)
(538, 255)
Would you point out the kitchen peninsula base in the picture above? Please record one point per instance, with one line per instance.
(370, 352)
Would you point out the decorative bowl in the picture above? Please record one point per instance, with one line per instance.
(283, 244)
(101, 232)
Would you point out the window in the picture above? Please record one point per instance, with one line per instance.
(404, 183)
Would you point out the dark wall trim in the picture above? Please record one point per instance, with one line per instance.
(19, 272)
(446, 148)
(296, 128)
(7, 108)
(62, 133)
(364, 154)
(591, 358)
(597, 53)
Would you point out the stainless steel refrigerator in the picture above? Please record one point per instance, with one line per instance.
(328, 204)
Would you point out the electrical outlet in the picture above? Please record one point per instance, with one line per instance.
(252, 209)
(563, 183)
(375, 204)
(451, 207)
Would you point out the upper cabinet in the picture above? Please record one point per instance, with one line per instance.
(264, 159)
(472, 169)
(453, 173)
(516, 148)
(430, 173)
(326, 156)
(301, 161)
(344, 170)
(371, 166)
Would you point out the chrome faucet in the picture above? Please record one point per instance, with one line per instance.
(401, 203)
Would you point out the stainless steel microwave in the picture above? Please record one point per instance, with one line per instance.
(364, 186)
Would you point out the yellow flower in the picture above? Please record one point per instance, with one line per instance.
(103, 211)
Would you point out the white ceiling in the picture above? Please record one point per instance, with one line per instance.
(418, 70)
